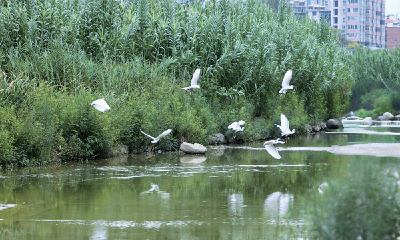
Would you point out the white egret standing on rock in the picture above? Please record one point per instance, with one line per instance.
(286, 81)
(193, 83)
(285, 126)
(101, 105)
(156, 139)
(235, 126)
(269, 146)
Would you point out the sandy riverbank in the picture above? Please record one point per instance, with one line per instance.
(371, 149)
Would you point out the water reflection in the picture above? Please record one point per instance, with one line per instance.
(277, 205)
(235, 202)
(192, 158)
(228, 193)
(156, 190)
(99, 231)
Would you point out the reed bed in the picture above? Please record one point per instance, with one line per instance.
(61, 55)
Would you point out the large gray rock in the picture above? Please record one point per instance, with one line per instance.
(387, 116)
(192, 148)
(332, 124)
(217, 138)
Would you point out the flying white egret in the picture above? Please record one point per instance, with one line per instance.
(101, 105)
(269, 146)
(286, 81)
(235, 126)
(285, 126)
(193, 83)
(156, 139)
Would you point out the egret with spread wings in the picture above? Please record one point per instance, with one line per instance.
(156, 139)
(269, 146)
(286, 81)
(285, 131)
(193, 83)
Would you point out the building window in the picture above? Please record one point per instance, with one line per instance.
(335, 20)
(336, 11)
(336, 3)
(344, 19)
(353, 19)
(314, 13)
(344, 26)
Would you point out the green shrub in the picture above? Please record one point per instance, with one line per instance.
(7, 149)
(364, 204)
(84, 127)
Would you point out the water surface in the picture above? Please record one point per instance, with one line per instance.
(225, 194)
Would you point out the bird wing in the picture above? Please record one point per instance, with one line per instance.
(271, 150)
(196, 76)
(286, 79)
(101, 105)
(232, 126)
(148, 135)
(284, 122)
(165, 133)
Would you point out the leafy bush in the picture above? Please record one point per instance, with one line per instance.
(364, 204)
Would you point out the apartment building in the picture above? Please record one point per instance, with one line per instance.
(362, 20)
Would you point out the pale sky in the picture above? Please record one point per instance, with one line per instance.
(392, 6)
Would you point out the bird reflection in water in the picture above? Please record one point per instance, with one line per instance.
(277, 205)
(235, 203)
(155, 190)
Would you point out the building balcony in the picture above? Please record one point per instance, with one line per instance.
(353, 14)
(353, 5)
(352, 30)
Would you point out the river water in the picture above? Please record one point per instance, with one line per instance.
(229, 193)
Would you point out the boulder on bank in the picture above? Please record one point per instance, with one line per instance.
(332, 124)
(387, 116)
(217, 138)
(192, 148)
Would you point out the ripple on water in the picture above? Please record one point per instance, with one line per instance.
(124, 224)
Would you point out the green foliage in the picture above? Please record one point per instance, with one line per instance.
(377, 99)
(377, 77)
(56, 57)
(7, 120)
(364, 204)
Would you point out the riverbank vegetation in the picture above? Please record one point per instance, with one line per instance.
(377, 86)
(56, 57)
